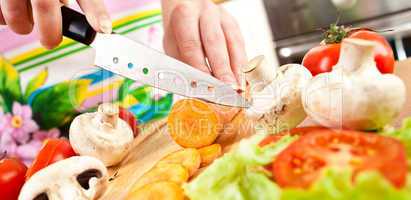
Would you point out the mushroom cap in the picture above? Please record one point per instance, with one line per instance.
(101, 134)
(59, 180)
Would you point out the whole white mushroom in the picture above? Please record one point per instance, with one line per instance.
(101, 134)
(354, 95)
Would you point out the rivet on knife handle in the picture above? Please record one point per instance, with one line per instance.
(76, 27)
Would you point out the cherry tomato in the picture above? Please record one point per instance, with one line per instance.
(52, 151)
(129, 117)
(322, 58)
(300, 163)
(12, 177)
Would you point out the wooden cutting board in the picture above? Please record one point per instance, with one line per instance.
(154, 143)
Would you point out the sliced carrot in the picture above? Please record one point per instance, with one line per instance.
(166, 172)
(189, 158)
(163, 190)
(226, 113)
(193, 123)
(209, 154)
(238, 128)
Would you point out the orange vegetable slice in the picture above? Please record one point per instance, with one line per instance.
(189, 158)
(209, 154)
(193, 123)
(163, 190)
(167, 172)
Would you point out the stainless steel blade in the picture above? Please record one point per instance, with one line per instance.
(133, 60)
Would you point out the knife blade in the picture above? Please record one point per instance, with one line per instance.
(138, 62)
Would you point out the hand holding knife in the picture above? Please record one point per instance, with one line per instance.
(133, 60)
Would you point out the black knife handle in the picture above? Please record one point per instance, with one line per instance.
(76, 27)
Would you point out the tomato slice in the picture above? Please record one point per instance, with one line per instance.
(129, 117)
(52, 151)
(12, 179)
(300, 163)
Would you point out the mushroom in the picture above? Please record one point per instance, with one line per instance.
(101, 134)
(74, 178)
(276, 95)
(355, 95)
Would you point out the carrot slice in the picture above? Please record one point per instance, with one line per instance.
(164, 190)
(209, 154)
(193, 123)
(240, 127)
(166, 172)
(189, 158)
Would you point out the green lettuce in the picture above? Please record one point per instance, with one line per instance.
(337, 185)
(240, 175)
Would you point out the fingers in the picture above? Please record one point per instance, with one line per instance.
(47, 15)
(2, 22)
(235, 43)
(170, 46)
(96, 14)
(184, 23)
(215, 45)
(16, 15)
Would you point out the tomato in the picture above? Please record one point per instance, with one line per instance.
(12, 177)
(130, 119)
(301, 162)
(295, 131)
(322, 58)
(52, 151)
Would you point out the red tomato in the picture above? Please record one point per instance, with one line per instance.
(130, 119)
(12, 177)
(322, 58)
(301, 162)
(52, 151)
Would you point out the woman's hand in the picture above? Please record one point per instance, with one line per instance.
(22, 15)
(203, 35)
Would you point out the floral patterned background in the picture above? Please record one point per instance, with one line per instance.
(41, 91)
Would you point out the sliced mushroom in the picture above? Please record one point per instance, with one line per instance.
(276, 95)
(101, 134)
(75, 178)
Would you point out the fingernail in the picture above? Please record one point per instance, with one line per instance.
(105, 25)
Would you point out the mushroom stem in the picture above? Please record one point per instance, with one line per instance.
(109, 114)
(355, 54)
(258, 73)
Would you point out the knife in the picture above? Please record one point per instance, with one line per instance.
(138, 62)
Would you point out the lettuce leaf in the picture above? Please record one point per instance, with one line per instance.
(239, 175)
(236, 175)
(337, 185)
